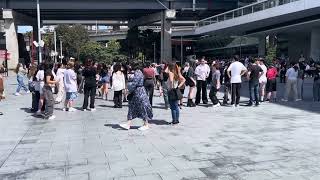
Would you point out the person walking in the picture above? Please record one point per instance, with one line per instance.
(49, 82)
(139, 104)
(149, 80)
(70, 85)
(291, 82)
(202, 72)
(316, 84)
(254, 75)
(90, 85)
(215, 85)
(272, 83)
(188, 74)
(60, 77)
(235, 71)
(175, 82)
(262, 80)
(21, 74)
(118, 85)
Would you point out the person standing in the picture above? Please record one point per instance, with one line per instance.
(227, 85)
(300, 80)
(235, 71)
(149, 80)
(40, 84)
(175, 81)
(105, 80)
(263, 80)
(291, 82)
(215, 85)
(164, 85)
(202, 72)
(70, 85)
(272, 83)
(60, 77)
(21, 74)
(316, 84)
(49, 82)
(254, 75)
(90, 85)
(118, 85)
(188, 74)
(139, 104)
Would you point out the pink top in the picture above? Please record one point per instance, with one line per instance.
(272, 73)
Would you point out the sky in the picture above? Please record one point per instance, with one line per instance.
(24, 29)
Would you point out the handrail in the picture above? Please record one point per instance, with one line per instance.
(261, 5)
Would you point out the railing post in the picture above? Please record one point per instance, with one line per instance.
(252, 9)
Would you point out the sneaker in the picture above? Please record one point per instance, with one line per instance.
(85, 110)
(217, 105)
(17, 94)
(72, 109)
(125, 126)
(28, 92)
(93, 109)
(284, 100)
(39, 113)
(52, 117)
(65, 109)
(143, 128)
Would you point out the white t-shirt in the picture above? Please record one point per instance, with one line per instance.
(263, 78)
(202, 71)
(292, 74)
(236, 68)
(60, 74)
(118, 81)
(70, 81)
(40, 81)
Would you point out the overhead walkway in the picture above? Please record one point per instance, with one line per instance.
(265, 14)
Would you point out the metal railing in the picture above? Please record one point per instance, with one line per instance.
(245, 10)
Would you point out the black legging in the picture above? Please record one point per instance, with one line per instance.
(89, 91)
(149, 86)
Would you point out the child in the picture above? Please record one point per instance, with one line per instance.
(70, 85)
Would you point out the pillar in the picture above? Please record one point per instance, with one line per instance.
(11, 38)
(315, 44)
(166, 44)
(262, 46)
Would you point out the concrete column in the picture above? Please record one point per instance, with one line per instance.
(298, 43)
(166, 45)
(315, 44)
(11, 38)
(262, 46)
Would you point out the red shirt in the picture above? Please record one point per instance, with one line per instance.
(272, 73)
(148, 73)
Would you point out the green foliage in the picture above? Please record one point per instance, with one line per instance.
(102, 54)
(73, 38)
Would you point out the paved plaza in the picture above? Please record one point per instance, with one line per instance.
(272, 142)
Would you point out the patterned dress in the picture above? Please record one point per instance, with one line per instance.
(139, 106)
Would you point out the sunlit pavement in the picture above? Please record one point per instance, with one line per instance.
(273, 141)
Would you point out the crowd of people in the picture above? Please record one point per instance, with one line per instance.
(136, 85)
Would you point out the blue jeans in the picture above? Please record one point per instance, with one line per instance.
(254, 92)
(175, 112)
(21, 84)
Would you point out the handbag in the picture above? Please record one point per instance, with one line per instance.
(130, 96)
(175, 94)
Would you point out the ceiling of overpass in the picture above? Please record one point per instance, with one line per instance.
(116, 9)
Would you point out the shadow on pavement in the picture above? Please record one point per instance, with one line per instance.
(117, 126)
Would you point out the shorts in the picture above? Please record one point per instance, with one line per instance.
(190, 83)
(70, 96)
(271, 85)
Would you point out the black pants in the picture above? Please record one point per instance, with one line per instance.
(282, 78)
(149, 86)
(35, 100)
(89, 91)
(227, 91)
(117, 98)
(201, 86)
(235, 93)
(213, 95)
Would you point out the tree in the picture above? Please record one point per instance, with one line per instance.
(73, 38)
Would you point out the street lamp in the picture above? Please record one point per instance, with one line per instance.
(61, 56)
(154, 52)
(39, 31)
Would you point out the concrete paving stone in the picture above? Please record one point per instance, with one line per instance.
(181, 175)
(261, 166)
(142, 177)
(155, 169)
(78, 177)
(129, 164)
(254, 175)
(110, 174)
(182, 164)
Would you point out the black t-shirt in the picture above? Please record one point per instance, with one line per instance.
(89, 76)
(48, 72)
(255, 72)
(226, 77)
(317, 74)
